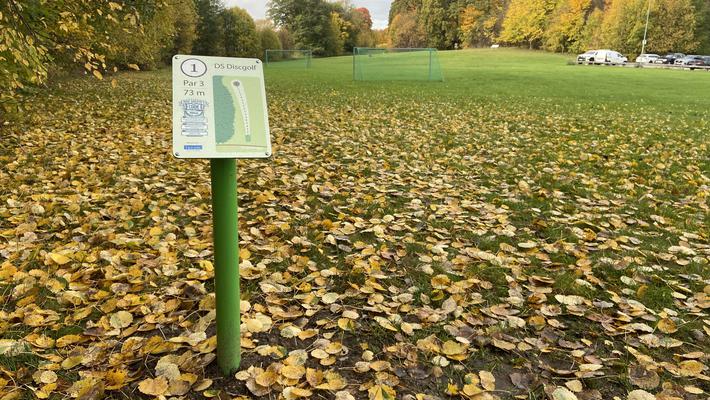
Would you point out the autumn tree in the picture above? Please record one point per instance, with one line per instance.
(525, 22)
(362, 27)
(35, 35)
(404, 31)
(337, 34)
(675, 27)
(592, 36)
(404, 7)
(479, 21)
(671, 26)
(240, 38)
(168, 27)
(565, 28)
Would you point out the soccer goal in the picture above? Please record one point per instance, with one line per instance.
(288, 58)
(372, 64)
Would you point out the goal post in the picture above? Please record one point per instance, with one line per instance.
(293, 58)
(404, 64)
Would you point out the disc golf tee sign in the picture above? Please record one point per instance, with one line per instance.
(219, 113)
(219, 108)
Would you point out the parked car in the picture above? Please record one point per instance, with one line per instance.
(670, 58)
(691, 61)
(707, 60)
(647, 58)
(609, 57)
(586, 58)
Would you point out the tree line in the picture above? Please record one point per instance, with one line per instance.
(41, 39)
(553, 25)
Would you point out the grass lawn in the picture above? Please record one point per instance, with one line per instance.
(525, 229)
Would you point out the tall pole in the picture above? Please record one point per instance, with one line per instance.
(430, 51)
(645, 31)
(226, 263)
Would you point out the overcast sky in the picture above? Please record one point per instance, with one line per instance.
(378, 8)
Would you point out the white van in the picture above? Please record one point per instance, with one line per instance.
(609, 57)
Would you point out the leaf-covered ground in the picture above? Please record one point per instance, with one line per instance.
(494, 236)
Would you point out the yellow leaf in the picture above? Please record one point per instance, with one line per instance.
(116, 379)
(666, 325)
(60, 259)
(290, 393)
(385, 323)
(471, 389)
(244, 254)
(346, 324)
(451, 348)
(488, 381)
(562, 393)
(502, 344)
(381, 392)
(134, 67)
(121, 319)
(154, 387)
(691, 368)
(293, 371)
(330, 298)
(67, 340)
(47, 377)
(266, 378)
(97, 74)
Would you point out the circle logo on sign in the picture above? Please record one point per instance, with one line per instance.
(193, 67)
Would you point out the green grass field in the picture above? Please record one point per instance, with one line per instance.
(524, 228)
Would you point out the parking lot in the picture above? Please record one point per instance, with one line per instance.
(669, 61)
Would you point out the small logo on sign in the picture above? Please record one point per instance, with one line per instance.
(194, 118)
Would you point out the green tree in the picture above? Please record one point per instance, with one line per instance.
(186, 21)
(310, 23)
(240, 37)
(525, 22)
(566, 25)
(286, 38)
(702, 26)
(268, 39)
(439, 22)
(210, 30)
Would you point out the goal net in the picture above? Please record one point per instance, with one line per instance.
(288, 58)
(372, 64)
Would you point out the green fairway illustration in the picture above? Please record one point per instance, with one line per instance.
(236, 124)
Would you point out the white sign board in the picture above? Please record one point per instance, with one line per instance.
(219, 108)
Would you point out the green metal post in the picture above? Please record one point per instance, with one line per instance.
(430, 51)
(226, 263)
